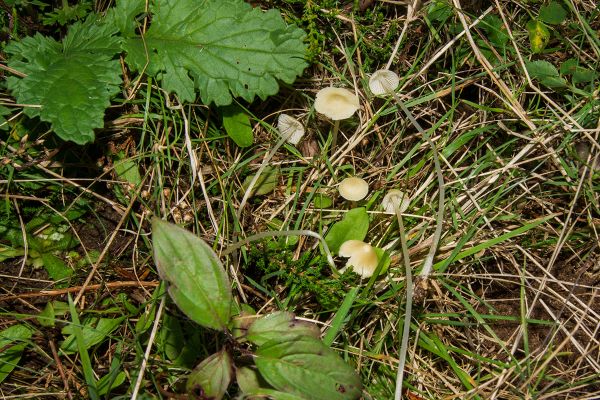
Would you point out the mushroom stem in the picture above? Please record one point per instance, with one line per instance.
(409, 295)
(334, 134)
(428, 264)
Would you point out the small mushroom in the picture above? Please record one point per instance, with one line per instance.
(362, 257)
(395, 199)
(290, 128)
(353, 188)
(383, 81)
(336, 104)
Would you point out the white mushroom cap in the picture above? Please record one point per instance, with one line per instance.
(336, 103)
(383, 81)
(290, 128)
(354, 188)
(393, 198)
(363, 257)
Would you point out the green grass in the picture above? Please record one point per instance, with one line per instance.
(511, 305)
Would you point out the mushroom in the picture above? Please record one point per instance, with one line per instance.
(290, 128)
(395, 199)
(336, 104)
(362, 257)
(353, 188)
(383, 81)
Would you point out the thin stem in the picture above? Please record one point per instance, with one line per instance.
(303, 232)
(408, 311)
(428, 264)
(334, 135)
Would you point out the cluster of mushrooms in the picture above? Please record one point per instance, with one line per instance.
(338, 104)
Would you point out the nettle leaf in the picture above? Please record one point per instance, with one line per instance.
(545, 73)
(68, 84)
(198, 283)
(223, 48)
(306, 367)
(354, 226)
(210, 379)
(279, 324)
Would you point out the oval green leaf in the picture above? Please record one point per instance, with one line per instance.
(210, 379)
(278, 324)
(539, 36)
(354, 226)
(197, 280)
(304, 366)
(237, 125)
(553, 13)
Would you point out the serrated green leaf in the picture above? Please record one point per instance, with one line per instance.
(11, 355)
(277, 325)
(68, 84)
(553, 13)
(211, 377)
(237, 125)
(197, 280)
(354, 226)
(545, 73)
(539, 36)
(304, 366)
(266, 183)
(223, 48)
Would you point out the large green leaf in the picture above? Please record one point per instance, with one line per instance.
(210, 379)
(354, 226)
(224, 48)
(304, 366)
(197, 280)
(68, 84)
(279, 324)
(11, 353)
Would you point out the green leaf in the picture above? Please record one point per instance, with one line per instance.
(545, 73)
(553, 13)
(322, 201)
(94, 331)
(237, 125)
(304, 366)
(223, 48)
(11, 353)
(4, 111)
(68, 84)
(266, 183)
(127, 169)
(110, 381)
(579, 74)
(197, 280)
(279, 324)
(56, 268)
(210, 379)
(170, 338)
(354, 226)
(7, 252)
(248, 380)
(48, 315)
(495, 29)
(539, 36)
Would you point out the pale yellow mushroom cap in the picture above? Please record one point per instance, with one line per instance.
(354, 188)
(363, 257)
(393, 198)
(383, 81)
(336, 103)
(290, 128)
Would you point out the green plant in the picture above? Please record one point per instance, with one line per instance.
(271, 355)
(221, 49)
